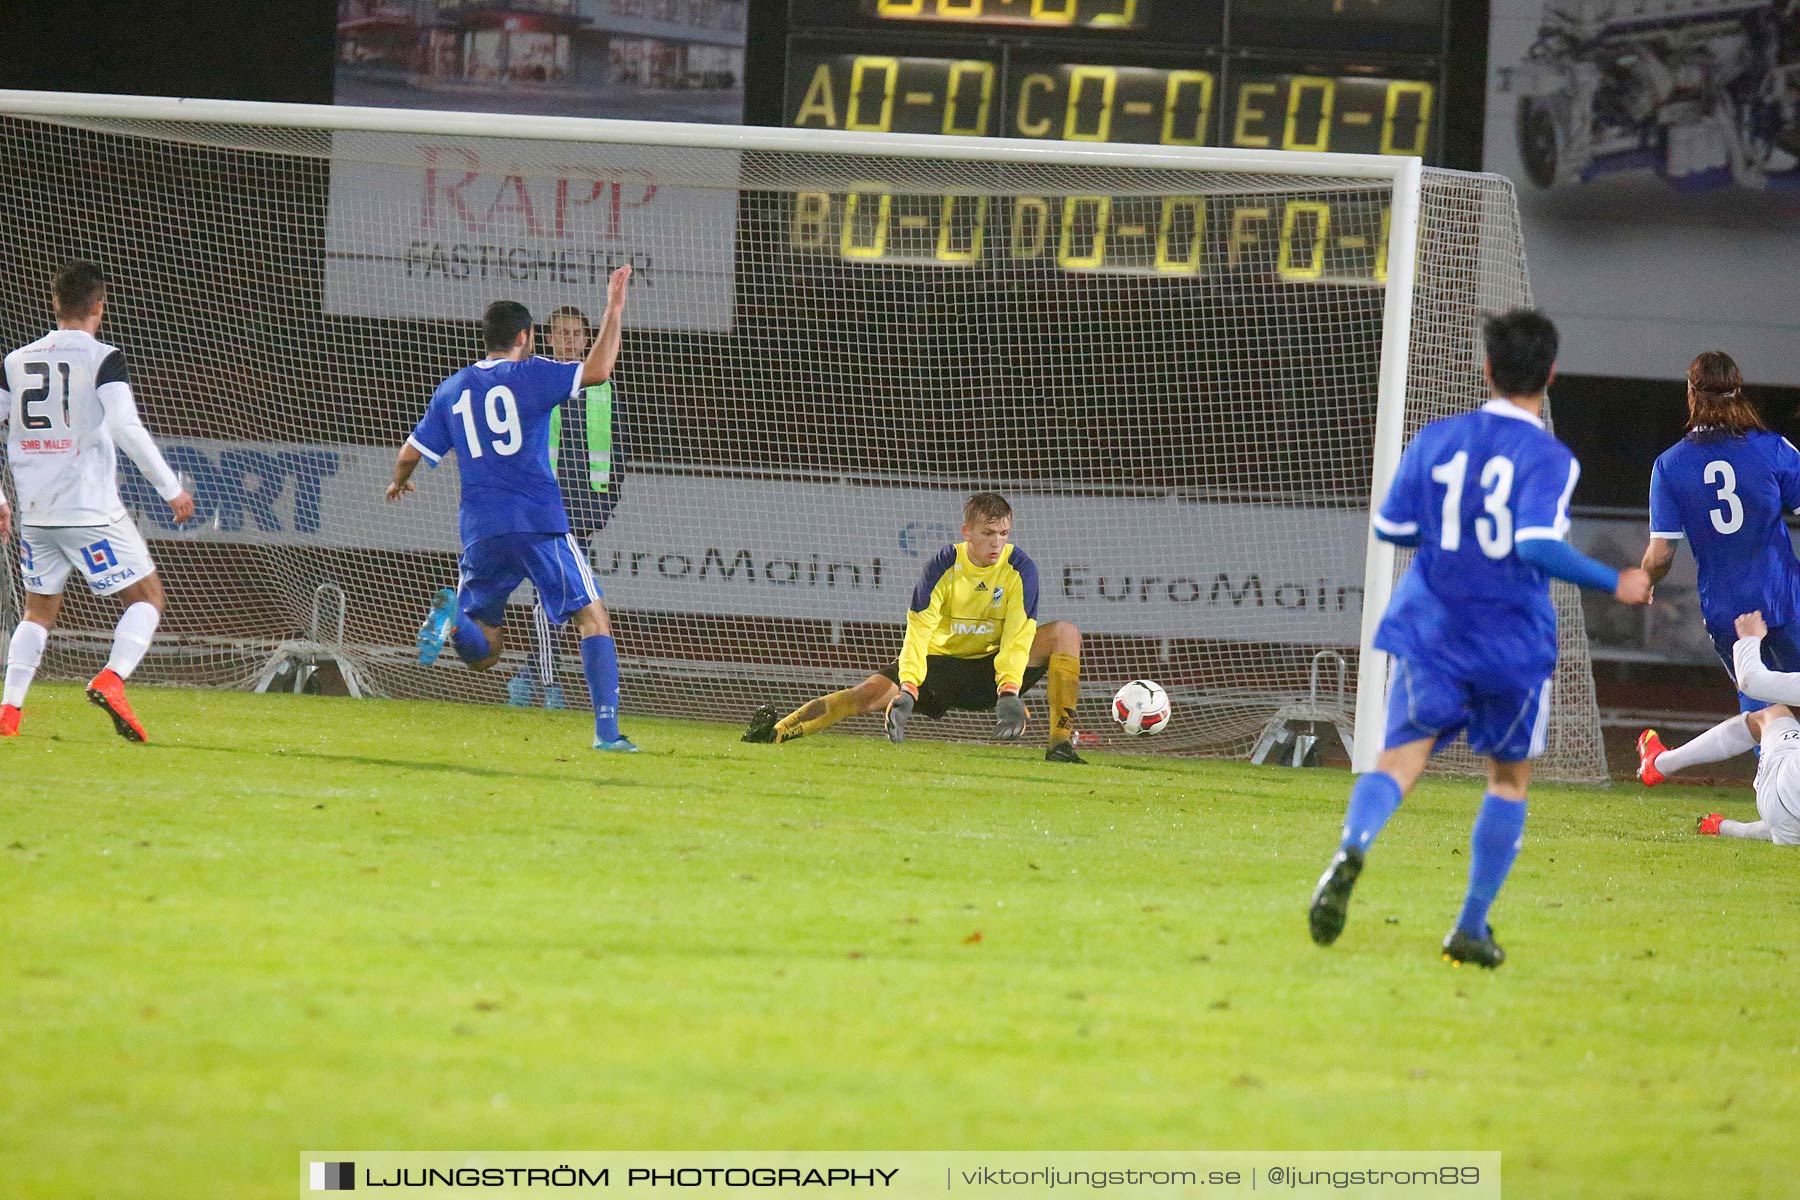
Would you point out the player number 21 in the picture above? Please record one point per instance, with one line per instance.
(502, 421)
(1494, 531)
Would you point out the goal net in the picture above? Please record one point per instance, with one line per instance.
(1169, 360)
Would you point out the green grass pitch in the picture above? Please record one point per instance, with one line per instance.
(295, 923)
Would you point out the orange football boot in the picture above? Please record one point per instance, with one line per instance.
(1649, 746)
(106, 690)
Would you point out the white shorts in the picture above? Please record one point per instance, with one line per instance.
(109, 557)
(1778, 781)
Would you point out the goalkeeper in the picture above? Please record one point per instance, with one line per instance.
(972, 643)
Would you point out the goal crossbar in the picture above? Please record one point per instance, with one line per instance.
(704, 137)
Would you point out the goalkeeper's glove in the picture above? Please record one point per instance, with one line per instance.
(898, 713)
(1009, 717)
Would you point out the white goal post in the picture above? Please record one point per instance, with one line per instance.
(1191, 369)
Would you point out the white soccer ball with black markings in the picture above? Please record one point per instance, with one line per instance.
(1141, 707)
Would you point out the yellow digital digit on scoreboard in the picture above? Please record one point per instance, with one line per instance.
(1123, 19)
(849, 243)
(1030, 231)
(1298, 89)
(1080, 79)
(1291, 214)
(965, 77)
(889, 69)
(1067, 255)
(952, 208)
(1179, 82)
(1397, 91)
(1168, 238)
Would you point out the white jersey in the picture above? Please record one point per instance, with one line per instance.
(1778, 781)
(68, 407)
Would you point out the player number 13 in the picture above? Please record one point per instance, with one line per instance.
(1495, 530)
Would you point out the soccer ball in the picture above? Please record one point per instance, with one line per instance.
(1141, 707)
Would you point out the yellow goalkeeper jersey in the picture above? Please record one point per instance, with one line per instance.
(965, 611)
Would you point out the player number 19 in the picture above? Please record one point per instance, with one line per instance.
(502, 420)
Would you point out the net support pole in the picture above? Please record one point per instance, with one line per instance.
(1390, 437)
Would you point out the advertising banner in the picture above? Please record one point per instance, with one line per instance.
(852, 551)
(1656, 148)
(433, 227)
(841, 551)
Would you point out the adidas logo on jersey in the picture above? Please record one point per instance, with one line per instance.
(981, 587)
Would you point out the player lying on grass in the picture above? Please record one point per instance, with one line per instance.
(1485, 498)
(1774, 727)
(1726, 488)
(972, 643)
(495, 415)
(67, 400)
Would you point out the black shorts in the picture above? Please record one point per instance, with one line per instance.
(961, 683)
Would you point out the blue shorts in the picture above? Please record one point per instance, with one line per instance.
(492, 568)
(1507, 719)
(1779, 653)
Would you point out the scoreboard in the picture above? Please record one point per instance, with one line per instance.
(1356, 76)
(1347, 76)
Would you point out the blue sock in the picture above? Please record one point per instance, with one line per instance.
(600, 663)
(1493, 844)
(471, 644)
(1372, 801)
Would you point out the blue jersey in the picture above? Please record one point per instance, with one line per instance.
(1470, 488)
(1727, 497)
(495, 415)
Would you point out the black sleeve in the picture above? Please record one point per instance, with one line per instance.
(112, 370)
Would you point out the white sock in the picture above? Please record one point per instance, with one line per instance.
(546, 648)
(131, 638)
(22, 659)
(1727, 739)
(1756, 831)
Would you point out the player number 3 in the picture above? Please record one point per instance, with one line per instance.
(1729, 519)
(502, 421)
(1494, 531)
